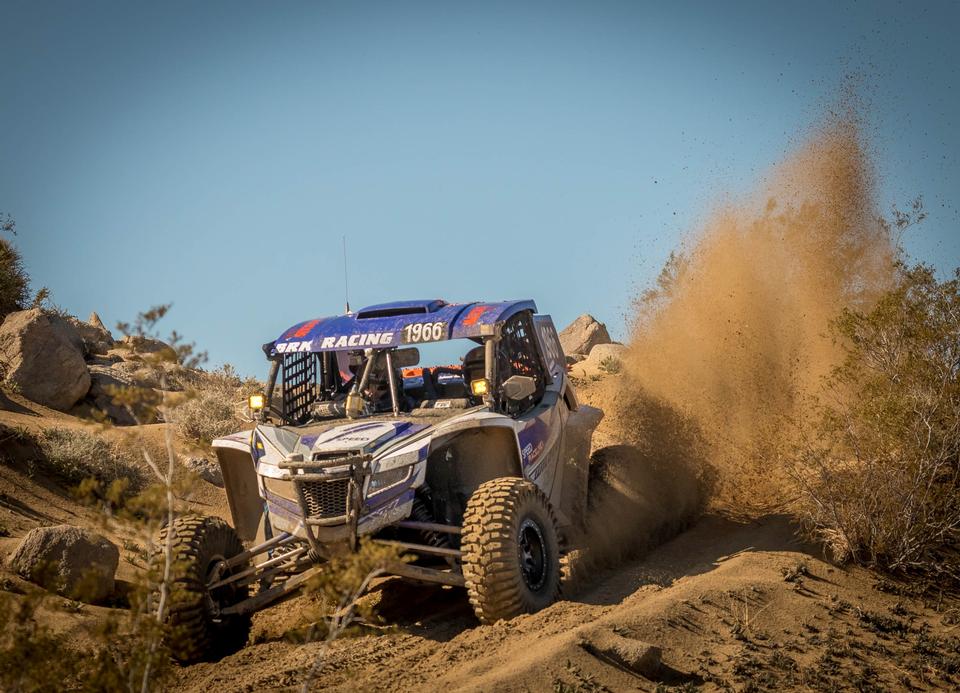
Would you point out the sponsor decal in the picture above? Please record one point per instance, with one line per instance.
(419, 332)
(369, 339)
(474, 315)
(531, 452)
(291, 347)
(305, 328)
(384, 509)
(550, 347)
(357, 439)
(392, 511)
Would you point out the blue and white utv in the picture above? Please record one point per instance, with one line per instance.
(478, 469)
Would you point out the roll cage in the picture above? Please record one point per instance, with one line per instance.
(302, 380)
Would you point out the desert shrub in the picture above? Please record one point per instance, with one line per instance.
(77, 455)
(880, 467)
(216, 406)
(610, 365)
(36, 657)
(14, 280)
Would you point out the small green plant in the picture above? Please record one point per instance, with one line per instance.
(610, 365)
(32, 658)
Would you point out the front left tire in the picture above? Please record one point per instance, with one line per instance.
(511, 550)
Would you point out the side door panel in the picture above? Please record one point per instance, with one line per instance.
(545, 425)
(539, 433)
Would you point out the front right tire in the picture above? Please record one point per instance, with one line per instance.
(511, 550)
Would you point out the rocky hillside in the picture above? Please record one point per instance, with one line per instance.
(725, 605)
(63, 363)
(589, 349)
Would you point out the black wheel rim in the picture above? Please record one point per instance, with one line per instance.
(532, 551)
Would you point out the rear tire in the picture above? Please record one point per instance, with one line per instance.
(511, 552)
(196, 630)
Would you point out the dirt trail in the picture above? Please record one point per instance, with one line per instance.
(716, 600)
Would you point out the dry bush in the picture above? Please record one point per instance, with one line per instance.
(217, 405)
(36, 657)
(31, 657)
(336, 593)
(77, 455)
(14, 279)
(880, 465)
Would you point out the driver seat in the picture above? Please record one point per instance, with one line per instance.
(474, 365)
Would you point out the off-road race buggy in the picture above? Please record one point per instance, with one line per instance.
(479, 470)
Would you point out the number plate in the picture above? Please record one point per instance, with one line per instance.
(419, 332)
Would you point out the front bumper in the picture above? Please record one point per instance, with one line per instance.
(329, 490)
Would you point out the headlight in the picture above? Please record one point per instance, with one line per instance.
(391, 477)
(480, 387)
(256, 402)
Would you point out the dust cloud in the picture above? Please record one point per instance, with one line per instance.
(734, 336)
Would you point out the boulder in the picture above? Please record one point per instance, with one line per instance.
(102, 379)
(67, 330)
(95, 321)
(584, 333)
(105, 379)
(104, 359)
(136, 374)
(206, 470)
(42, 359)
(96, 337)
(90, 339)
(146, 345)
(604, 359)
(633, 655)
(606, 353)
(74, 562)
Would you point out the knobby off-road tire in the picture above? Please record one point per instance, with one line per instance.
(196, 632)
(511, 553)
(610, 487)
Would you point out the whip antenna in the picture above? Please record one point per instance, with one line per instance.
(346, 295)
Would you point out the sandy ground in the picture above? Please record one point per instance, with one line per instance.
(731, 605)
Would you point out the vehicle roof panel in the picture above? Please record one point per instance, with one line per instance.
(386, 325)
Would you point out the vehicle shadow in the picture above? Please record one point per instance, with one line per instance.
(437, 612)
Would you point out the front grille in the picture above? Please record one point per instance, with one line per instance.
(326, 499)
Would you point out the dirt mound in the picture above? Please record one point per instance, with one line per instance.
(726, 604)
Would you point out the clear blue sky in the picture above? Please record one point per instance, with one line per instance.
(213, 154)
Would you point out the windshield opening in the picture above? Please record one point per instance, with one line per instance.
(315, 386)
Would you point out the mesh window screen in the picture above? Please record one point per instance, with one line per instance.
(299, 385)
(517, 354)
